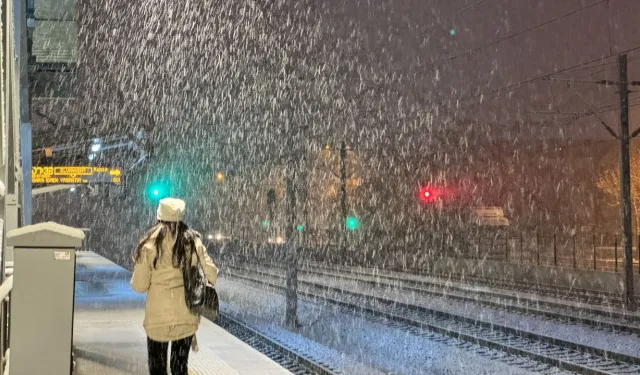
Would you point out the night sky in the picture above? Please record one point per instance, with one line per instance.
(421, 36)
(410, 39)
(206, 81)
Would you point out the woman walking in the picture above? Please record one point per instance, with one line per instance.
(159, 263)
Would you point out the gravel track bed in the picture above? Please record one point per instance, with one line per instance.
(352, 343)
(518, 301)
(621, 342)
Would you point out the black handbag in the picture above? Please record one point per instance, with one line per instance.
(201, 297)
(211, 303)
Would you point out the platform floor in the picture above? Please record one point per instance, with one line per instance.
(109, 338)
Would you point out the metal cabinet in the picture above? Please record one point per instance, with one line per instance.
(41, 317)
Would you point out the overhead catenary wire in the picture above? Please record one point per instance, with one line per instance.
(599, 110)
(602, 122)
(633, 102)
(514, 35)
(526, 82)
(607, 65)
(519, 33)
(472, 99)
(576, 115)
(481, 97)
(585, 64)
(623, 83)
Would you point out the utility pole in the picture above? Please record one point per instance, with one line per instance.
(27, 11)
(303, 177)
(625, 183)
(271, 201)
(22, 129)
(15, 119)
(625, 171)
(291, 314)
(343, 196)
(291, 246)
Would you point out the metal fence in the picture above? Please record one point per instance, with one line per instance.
(588, 251)
(594, 251)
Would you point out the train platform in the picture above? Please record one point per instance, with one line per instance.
(108, 337)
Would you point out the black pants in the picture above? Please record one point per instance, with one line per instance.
(179, 356)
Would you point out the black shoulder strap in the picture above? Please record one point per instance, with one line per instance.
(192, 249)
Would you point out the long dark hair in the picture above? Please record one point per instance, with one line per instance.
(185, 239)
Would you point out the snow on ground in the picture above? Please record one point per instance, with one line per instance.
(352, 343)
(622, 342)
(469, 287)
(625, 343)
(303, 345)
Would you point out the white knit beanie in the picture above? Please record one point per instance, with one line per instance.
(171, 209)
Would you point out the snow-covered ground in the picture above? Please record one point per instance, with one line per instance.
(625, 343)
(352, 343)
(466, 286)
(622, 342)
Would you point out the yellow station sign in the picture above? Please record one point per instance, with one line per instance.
(75, 175)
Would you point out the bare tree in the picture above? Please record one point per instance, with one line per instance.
(609, 183)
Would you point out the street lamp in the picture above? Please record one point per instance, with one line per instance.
(96, 146)
(220, 177)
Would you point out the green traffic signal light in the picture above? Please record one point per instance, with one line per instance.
(266, 223)
(157, 191)
(352, 223)
(300, 228)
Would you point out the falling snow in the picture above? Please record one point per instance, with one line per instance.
(387, 134)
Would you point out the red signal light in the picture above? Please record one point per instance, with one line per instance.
(429, 194)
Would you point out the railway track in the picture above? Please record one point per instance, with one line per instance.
(607, 299)
(599, 318)
(586, 296)
(546, 350)
(288, 358)
(580, 295)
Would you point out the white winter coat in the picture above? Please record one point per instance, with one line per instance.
(167, 317)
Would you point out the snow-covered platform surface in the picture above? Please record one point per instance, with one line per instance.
(108, 337)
